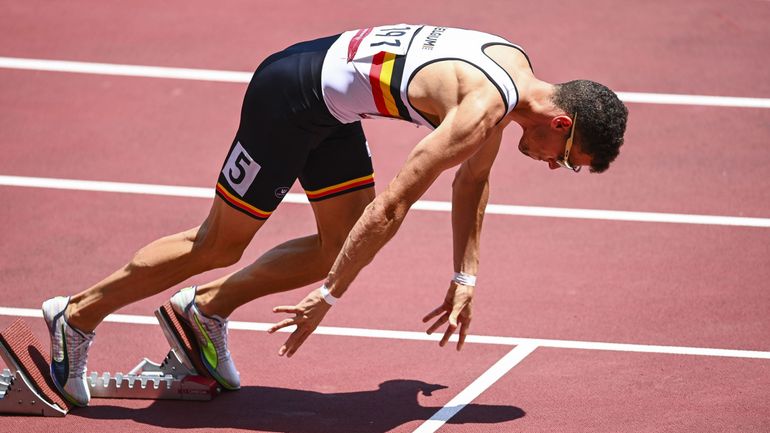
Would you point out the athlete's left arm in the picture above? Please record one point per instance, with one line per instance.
(470, 192)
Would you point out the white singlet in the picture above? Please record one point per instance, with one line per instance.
(366, 72)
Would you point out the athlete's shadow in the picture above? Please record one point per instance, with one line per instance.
(296, 411)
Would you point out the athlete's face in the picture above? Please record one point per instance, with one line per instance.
(547, 142)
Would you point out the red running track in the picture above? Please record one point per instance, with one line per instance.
(564, 279)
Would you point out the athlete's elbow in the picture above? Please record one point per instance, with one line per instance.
(387, 211)
(466, 176)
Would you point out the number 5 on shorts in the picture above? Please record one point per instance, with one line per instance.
(240, 169)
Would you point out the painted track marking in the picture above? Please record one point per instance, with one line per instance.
(426, 205)
(481, 384)
(422, 336)
(245, 77)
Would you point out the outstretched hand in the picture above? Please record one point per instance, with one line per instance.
(307, 315)
(457, 310)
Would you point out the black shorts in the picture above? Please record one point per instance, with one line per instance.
(286, 132)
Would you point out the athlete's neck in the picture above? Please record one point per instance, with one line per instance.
(535, 103)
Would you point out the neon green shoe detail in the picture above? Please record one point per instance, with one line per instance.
(209, 351)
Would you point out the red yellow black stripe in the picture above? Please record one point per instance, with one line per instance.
(351, 185)
(385, 77)
(240, 204)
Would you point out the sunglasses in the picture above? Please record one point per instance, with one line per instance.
(564, 161)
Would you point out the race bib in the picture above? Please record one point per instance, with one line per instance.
(393, 39)
(240, 169)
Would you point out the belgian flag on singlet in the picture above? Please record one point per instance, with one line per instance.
(385, 77)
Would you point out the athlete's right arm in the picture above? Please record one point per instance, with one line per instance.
(462, 131)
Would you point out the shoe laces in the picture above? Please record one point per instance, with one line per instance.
(217, 328)
(78, 353)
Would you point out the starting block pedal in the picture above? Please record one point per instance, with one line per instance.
(26, 387)
(181, 339)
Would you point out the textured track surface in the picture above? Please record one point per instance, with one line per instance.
(562, 279)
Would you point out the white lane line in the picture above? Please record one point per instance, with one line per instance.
(426, 205)
(481, 384)
(679, 99)
(244, 77)
(125, 70)
(105, 186)
(422, 336)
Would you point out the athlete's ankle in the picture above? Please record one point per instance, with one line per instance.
(210, 305)
(75, 318)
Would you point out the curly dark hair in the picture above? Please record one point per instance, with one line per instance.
(602, 119)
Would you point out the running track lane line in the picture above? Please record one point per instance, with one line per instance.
(422, 336)
(481, 384)
(245, 77)
(427, 205)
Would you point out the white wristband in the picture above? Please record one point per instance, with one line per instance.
(328, 297)
(464, 279)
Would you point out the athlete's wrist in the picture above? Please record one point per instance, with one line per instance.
(327, 296)
(464, 279)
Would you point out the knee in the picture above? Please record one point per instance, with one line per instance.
(212, 256)
(212, 250)
(331, 246)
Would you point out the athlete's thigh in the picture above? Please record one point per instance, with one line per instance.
(280, 124)
(340, 164)
(260, 168)
(338, 179)
(336, 216)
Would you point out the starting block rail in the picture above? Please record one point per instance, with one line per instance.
(169, 380)
(26, 387)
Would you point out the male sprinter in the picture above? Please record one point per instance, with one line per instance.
(301, 119)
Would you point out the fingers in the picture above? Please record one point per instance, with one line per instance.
(299, 343)
(282, 324)
(433, 313)
(293, 309)
(287, 322)
(293, 343)
(443, 319)
(464, 325)
(290, 344)
(449, 331)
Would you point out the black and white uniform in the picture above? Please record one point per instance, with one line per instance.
(302, 110)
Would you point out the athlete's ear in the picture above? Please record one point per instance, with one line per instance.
(562, 123)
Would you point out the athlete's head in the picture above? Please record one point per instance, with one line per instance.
(602, 119)
(600, 122)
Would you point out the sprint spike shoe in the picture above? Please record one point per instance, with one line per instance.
(211, 333)
(69, 352)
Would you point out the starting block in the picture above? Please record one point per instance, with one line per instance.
(181, 339)
(26, 387)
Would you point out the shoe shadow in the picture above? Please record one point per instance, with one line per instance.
(297, 411)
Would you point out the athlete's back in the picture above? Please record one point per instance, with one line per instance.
(367, 72)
